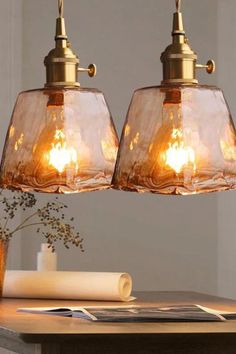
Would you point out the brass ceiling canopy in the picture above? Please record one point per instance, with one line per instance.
(179, 60)
(62, 64)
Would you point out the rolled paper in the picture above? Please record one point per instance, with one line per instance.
(68, 285)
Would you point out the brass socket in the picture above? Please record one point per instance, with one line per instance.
(179, 60)
(62, 64)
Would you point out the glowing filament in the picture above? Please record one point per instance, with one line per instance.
(178, 155)
(61, 156)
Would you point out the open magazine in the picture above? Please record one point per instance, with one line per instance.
(173, 313)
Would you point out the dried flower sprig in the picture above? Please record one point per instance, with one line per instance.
(49, 219)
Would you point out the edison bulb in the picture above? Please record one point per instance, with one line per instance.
(61, 156)
(178, 155)
(173, 150)
(56, 149)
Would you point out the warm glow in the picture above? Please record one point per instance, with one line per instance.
(134, 141)
(62, 156)
(11, 131)
(228, 150)
(127, 130)
(178, 155)
(109, 150)
(19, 141)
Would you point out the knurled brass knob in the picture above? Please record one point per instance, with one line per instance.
(210, 66)
(91, 70)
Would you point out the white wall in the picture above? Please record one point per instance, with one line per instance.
(227, 201)
(164, 242)
(10, 73)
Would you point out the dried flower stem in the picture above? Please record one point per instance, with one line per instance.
(49, 220)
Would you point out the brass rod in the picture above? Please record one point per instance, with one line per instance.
(178, 5)
(61, 8)
(201, 66)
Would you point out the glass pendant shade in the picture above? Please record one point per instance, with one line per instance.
(60, 141)
(177, 140)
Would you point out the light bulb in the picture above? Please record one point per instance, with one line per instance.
(61, 156)
(178, 155)
(175, 151)
(57, 151)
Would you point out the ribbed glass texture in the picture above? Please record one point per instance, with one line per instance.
(177, 140)
(60, 141)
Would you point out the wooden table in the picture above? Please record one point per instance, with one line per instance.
(42, 334)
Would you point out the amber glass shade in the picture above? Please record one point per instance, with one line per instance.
(177, 140)
(60, 141)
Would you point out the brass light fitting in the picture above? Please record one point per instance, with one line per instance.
(179, 137)
(72, 143)
(62, 64)
(179, 60)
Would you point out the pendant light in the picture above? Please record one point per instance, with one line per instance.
(61, 138)
(179, 138)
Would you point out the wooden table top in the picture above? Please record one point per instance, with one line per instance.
(33, 328)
